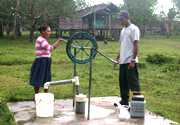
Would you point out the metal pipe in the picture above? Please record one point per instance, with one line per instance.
(61, 82)
(74, 74)
(113, 61)
(90, 86)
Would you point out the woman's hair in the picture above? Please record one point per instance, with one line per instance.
(43, 28)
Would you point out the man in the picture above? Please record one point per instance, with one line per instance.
(127, 58)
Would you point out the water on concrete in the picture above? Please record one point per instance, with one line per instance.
(102, 113)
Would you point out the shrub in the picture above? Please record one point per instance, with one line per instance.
(14, 61)
(178, 61)
(171, 68)
(6, 118)
(158, 59)
(142, 65)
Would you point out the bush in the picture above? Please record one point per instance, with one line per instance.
(178, 61)
(15, 62)
(171, 68)
(142, 65)
(158, 59)
(5, 60)
(6, 118)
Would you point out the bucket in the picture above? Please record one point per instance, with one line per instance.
(80, 103)
(44, 104)
(137, 108)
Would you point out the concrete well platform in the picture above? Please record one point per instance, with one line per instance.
(102, 113)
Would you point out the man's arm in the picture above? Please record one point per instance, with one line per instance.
(135, 49)
(135, 52)
(136, 36)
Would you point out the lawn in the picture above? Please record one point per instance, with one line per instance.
(159, 74)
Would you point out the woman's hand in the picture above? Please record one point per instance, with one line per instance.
(60, 39)
(57, 43)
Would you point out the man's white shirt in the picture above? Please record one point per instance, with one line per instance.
(127, 37)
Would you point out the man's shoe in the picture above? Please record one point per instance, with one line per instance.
(122, 102)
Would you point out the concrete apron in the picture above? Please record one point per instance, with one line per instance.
(102, 113)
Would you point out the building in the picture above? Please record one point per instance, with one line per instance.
(99, 20)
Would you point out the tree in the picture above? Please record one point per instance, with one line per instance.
(169, 22)
(17, 31)
(6, 15)
(177, 3)
(37, 11)
(81, 4)
(141, 11)
(31, 13)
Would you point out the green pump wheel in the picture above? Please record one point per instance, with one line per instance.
(81, 47)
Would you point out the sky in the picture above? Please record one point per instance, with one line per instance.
(162, 4)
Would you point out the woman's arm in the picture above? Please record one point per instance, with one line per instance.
(57, 43)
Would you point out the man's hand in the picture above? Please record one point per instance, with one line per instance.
(117, 58)
(131, 65)
(115, 61)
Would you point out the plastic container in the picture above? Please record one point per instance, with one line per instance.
(137, 106)
(44, 104)
(80, 103)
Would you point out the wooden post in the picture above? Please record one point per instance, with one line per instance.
(109, 26)
(94, 21)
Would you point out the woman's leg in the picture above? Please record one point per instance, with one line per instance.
(36, 90)
(46, 90)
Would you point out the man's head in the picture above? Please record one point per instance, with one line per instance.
(124, 17)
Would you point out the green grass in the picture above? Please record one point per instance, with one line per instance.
(6, 117)
(160, 83)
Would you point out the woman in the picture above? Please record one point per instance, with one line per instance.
(41, 68)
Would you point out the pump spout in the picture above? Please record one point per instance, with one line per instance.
(62, 82)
